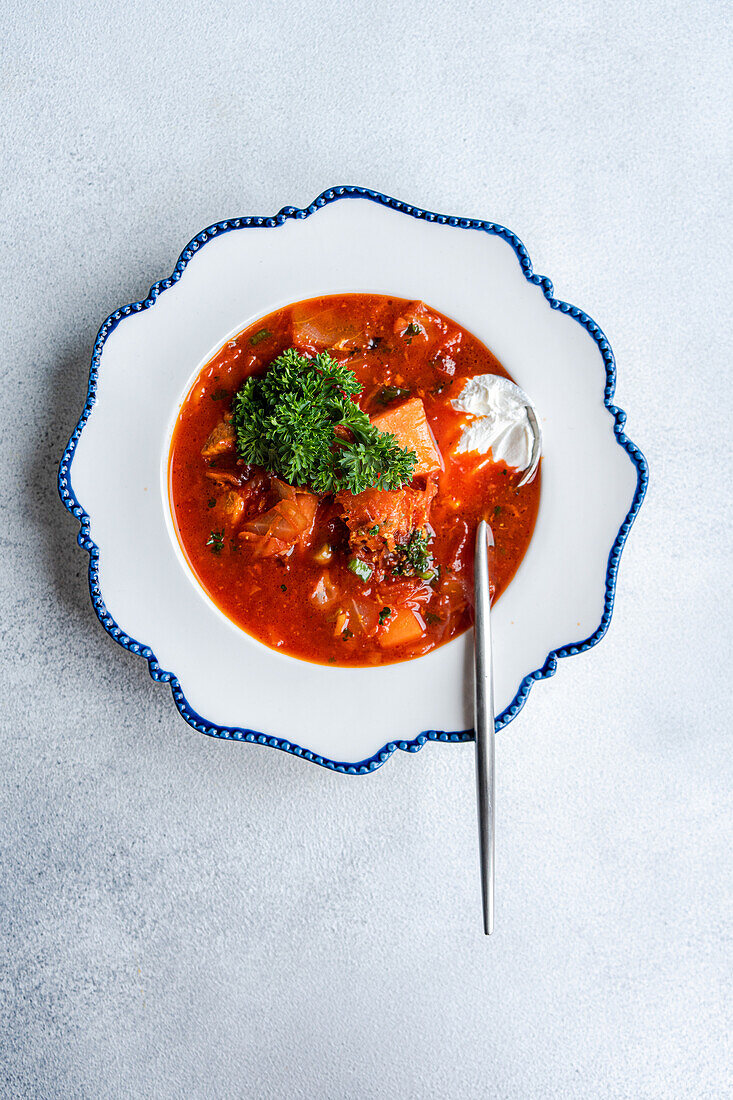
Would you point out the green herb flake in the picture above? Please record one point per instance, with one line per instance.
(373, 531)
(219, 395)
(388, 394)
(285, 422)
(263, 334)
(414, 558)
(497, 509)
(413, 329)
(212, 502)
(384, 614)
(216, 541)
(361, 569)
(432, 619)
(346, 634)
(283, 588)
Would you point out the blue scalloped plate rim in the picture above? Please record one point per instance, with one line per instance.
(158, 674)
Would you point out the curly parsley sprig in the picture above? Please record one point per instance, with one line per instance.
(286, 421)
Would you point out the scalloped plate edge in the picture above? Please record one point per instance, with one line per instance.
(158, 674)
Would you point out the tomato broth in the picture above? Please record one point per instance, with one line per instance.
(331, 577)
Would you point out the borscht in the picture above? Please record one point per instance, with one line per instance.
(328, 469)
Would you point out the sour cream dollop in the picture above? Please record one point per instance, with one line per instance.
(499, 422)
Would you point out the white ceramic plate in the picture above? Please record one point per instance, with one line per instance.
(146, 355)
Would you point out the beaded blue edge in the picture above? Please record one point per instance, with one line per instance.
(160, 675)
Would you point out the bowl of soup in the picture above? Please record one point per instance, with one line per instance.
(286, 449)
(347, 574)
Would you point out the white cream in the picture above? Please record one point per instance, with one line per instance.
(499, 421)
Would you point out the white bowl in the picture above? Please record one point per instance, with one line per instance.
(225, 682)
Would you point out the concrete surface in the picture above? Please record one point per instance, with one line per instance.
(185, 918)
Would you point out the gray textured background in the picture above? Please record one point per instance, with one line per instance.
(186, 918)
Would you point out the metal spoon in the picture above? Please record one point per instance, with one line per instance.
(483, 719)
(483, 692)
(536, 447)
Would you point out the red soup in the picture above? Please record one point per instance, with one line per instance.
(322, 504)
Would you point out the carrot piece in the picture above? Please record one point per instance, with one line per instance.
(404, 626)
(409, 424)
(342, 621)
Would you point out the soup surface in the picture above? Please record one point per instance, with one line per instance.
(342, 576)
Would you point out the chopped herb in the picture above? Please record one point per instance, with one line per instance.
(346, 634)
(332, 660)
(212, 502)
(263, 334)
(384, 614)
(216, 541)
(432, 619)
(388, 394)
(219, 395)
(414, 559)
(373, 531)
(285, 422)
(497, 509)
(283, 588)
(413, 329)
(234, 545)
(361, 568)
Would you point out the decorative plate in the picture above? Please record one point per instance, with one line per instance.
(113, 475)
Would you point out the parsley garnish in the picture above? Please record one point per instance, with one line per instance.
(285, 421)
(361, 568)
(384, 614)
(413, 329)
(263, 334)
(216, 541)
(219, 395)
(212, 502)
(373, 531)
(414, 559)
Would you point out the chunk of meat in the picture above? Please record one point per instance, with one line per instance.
(380, 519)
(289, 523)
(409, 425)
(223, 479)
(222, 440)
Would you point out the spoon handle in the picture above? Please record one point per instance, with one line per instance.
(483, 712)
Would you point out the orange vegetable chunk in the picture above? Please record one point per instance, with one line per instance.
(404, 626)
(409, 425)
